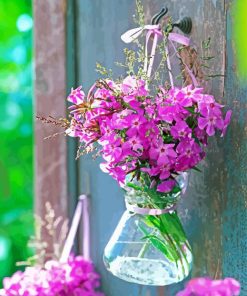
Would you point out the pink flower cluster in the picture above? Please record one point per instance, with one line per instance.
(74, 278)
(209, 287)
(161, 135)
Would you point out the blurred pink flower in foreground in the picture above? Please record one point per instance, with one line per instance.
(76, 277)
(209, 287)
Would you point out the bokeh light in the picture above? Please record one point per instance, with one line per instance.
(24, 23)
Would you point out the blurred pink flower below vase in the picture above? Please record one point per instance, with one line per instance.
(76, 277)
(209, 287)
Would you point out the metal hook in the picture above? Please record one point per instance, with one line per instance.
(156, 18)
(185, 25)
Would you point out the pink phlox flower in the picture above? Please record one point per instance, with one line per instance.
(192, 93)
(178, 97)
(209, 287)
(103, 94)
(108, 133)
(105, 100)
(89, 137)
(135, 144)
(113, 150)
(210, 122)
(150, 110)
(161, 150)
(166, 186)
(13, 282)
(136, 105)
(117, 172)
(226, 122)
(97, 114)
(129, 99)
(135, 122)
(76, 96)
(165, 165)
(112, 84)
(170, 113)
(120, 120)
(188, 147)
(151, 171)
(212, 107)
(133, 86)
(189, 155)
(181, 130)
(201, 135)
(106, 128)
(149, 131)
(145, 154)
(161, 97)
(206, 99)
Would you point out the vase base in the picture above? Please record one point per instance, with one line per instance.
(146, 271)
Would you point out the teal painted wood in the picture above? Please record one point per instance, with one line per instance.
(214, 208)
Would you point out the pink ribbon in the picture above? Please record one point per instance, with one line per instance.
(132, 34)
(179, 39)
(147, 211)
(155, 30)
(184, 41)
(82, 210)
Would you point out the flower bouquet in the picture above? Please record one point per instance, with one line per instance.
(149, 137)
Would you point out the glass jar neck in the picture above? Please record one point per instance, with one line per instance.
(143, 195)
(150, 198)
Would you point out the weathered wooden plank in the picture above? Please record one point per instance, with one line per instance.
(203, 205)
(50, 91)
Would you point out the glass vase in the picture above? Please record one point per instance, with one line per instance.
(149, 247)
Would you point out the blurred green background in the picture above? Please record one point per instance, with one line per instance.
(16, 133)
(240, 34)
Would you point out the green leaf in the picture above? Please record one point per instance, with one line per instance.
(134, 186)
(190, 109)
(197, 169)
(161, 246)
(158, 243)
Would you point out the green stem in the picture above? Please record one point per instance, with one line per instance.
(178, 242)
(146, 244)
(172, 243)
(144, 249)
